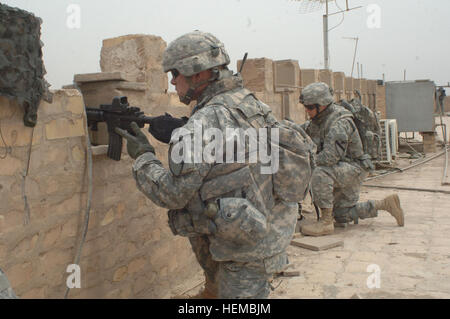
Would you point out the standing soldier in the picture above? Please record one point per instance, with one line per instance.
(341, 165)
(239, 230)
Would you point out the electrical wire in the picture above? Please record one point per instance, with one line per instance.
(6, 146)
(343, 17)
(89, 199)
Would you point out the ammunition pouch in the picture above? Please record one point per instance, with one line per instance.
(181, 223)
(239, 222)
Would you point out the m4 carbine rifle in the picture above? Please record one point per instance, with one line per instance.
(117, 114)
(120, 114)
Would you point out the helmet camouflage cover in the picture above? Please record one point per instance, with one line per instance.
(194, 52)
(316, 93)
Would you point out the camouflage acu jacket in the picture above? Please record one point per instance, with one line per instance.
(336, 136)
(191, 185)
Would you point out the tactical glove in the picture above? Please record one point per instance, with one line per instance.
(162, 126)
(181, 223)
(138, 144)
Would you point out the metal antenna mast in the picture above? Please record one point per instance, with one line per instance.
(312, 5)
(354, 54)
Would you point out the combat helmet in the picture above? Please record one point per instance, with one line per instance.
(318, 93)
(194, 52)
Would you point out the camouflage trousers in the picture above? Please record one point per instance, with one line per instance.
(235, 280)
(338, 187)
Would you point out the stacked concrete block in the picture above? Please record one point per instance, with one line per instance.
(258, 76)
(339, 85)
(308, 76)
(429, 142)
(326, 76)
(139, 57)
(364, 92)
(372, 91)
(349, 88)
(287, 80)
(286, 75)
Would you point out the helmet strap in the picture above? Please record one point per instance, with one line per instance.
(187, 98)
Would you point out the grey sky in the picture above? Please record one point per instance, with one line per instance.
(412, 34)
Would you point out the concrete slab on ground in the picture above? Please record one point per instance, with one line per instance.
(317, 243)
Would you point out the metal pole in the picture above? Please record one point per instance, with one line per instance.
(354, 55)
(362, 76)
(357, 66)
(325, 38)
(404, 75)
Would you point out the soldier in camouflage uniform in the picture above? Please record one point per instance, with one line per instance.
(341, 165)
(238, 229)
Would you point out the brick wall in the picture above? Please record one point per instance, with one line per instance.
(129, 250)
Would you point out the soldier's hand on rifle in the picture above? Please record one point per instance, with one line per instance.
(136, 145)
(162, 126)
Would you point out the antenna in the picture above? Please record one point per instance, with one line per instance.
(354, 54)
(307, 6)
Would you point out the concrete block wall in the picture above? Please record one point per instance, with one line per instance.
(259, 77)
(326, 76)
(380, 105)
(129, 251)
(339, 85)
(309, 76)
(364, 92)
(349, 88)
(42, 193)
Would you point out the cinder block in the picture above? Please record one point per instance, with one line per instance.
(357, 85)
(286, 75)
(326, 76)
(63, 128)
(371, 86)
(363, 86)
(258, 75)
(139, 57)
(339, 82)
(308, 76)
(349, 84)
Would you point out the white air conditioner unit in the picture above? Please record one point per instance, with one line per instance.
(389, 140)
(393, 137)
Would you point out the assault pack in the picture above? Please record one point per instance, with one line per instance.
(368, 124)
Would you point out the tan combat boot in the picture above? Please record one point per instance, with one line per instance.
(391, 204)
(323, 227)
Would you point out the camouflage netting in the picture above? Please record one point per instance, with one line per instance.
(21, 68)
